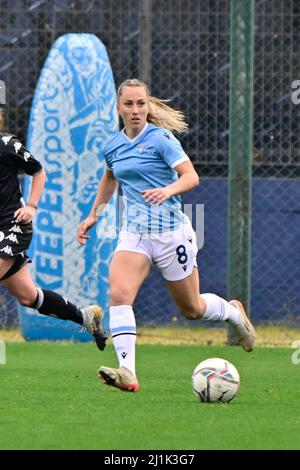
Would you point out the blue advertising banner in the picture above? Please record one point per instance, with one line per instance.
(73, 114)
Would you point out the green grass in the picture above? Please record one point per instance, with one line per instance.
(50, 398)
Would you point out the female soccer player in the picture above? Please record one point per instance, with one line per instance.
(16, 233)
(152, 169)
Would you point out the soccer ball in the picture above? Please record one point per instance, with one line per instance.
(215, 380)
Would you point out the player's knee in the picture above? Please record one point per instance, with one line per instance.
(119, 295)
(191, 311)
(26, 299)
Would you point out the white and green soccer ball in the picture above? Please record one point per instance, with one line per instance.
(215, 380)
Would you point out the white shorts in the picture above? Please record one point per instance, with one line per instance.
(174, 253)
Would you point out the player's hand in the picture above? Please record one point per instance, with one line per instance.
(84, 227)
(24, 214)
(156, 195)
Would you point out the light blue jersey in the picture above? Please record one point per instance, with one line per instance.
(146, 162)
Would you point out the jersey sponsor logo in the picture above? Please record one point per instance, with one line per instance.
(6, 139)
(7, 250)
(26, 156)
(12, 237)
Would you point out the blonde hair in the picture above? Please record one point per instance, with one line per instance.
(160, 114)
(2, 121)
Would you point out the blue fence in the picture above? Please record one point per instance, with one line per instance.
(275, 253)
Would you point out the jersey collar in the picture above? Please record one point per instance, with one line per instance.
(137, 136)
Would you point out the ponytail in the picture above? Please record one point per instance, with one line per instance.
(160, 114)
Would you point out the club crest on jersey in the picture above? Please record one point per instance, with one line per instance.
(141, 148)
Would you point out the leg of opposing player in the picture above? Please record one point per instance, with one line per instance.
(50, 303)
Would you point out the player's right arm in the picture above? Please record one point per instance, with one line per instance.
(107, 186)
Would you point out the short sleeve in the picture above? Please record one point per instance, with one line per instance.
(170, 149)
(19, 156)
(108, 162)
(106, 157)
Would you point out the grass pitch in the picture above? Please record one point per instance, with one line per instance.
(51, 398)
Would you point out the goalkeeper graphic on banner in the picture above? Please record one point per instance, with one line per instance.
(152, 169)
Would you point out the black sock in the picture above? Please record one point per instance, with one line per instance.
(54, 304)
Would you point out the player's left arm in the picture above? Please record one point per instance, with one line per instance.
(19, 158)
(188, 179)
(27, 213)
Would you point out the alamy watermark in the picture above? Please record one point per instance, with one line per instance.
(152, 219)
(2, 93)
(2, 353)
(296, 353)
(296, 93)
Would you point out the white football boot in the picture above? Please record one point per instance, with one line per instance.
(92, 316)
(121, 378)
(244, 330)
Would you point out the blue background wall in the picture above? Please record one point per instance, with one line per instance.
(275, 250)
